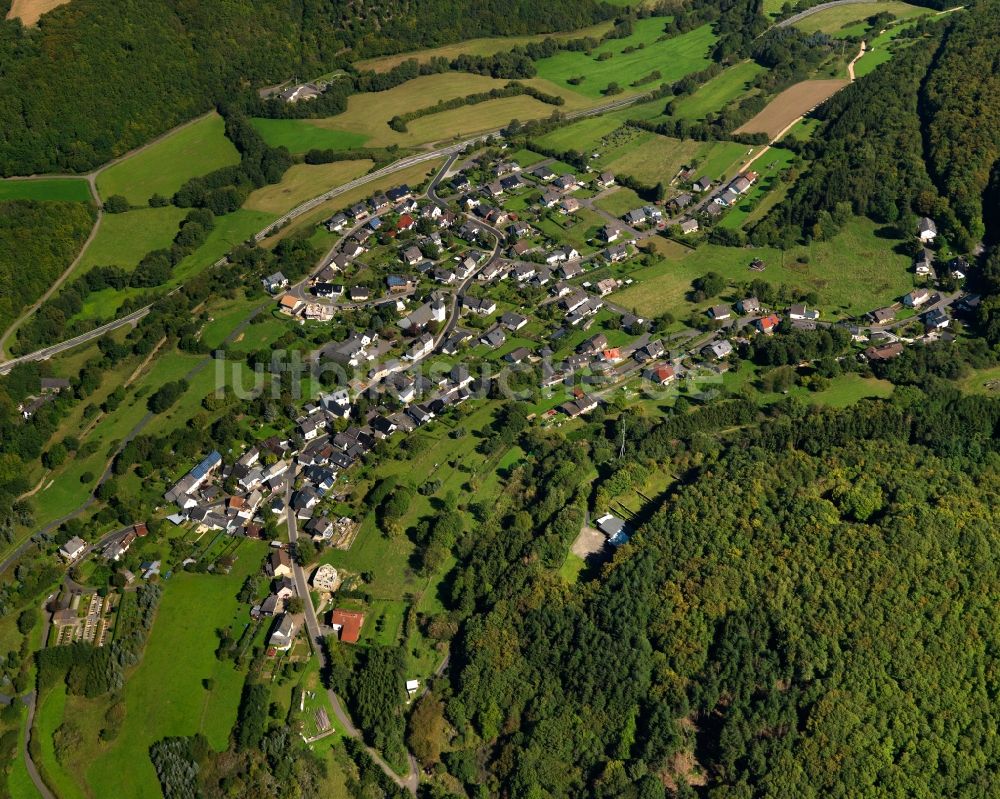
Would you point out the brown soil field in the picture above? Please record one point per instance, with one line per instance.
(792, 103)
(30, 10)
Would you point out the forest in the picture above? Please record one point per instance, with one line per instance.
(166, 61)
(38, 240)
(809, 611)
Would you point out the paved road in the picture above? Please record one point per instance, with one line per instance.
(412, 780)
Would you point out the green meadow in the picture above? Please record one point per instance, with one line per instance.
(300, 135)
(163, 166)
(673, 58)
(718, 92)
(65, 189)
(852, 273)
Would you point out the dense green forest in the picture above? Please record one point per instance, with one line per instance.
(38, 240)
(810, 612)
(166, 61)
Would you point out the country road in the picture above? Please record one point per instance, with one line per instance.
(404, 163)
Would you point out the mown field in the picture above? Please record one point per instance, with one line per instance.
(673, 58)
(658, 158)
(162, 167)
(300, 135)
(66, 189)
(881, 48)
(852, 273)
(846, 20)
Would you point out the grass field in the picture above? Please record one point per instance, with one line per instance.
(718, 92)
(982, 381)
(792, 103)
(303, 182)
(619, 201)
(843, 390)
(123, 239)
(368, 114)
(48, 717)
(844, 20)
(66, 189)
(484, 46)
(852, 273)
(162, 167)
(657, 158)
(165, 696)
(674, 58)
(300, 135)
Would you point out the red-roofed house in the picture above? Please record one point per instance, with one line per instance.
(348, 624)
(612, 355)
(661, 375)
(405, 223)
(767, 324)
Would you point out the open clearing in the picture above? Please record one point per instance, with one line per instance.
(123, 239)
(164, 166)
(300, 135)
(673, 58)
(842, 20)
(65, 189)
(302, 182)
(29, 11)
(852, 273)
(485, 46)
(792, 103)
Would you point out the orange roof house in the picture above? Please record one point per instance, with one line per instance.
(348, 624)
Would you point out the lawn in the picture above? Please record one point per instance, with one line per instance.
(852, 273)
(66, 189)
(619, 201)
(842, 20)
(982, 381)
(673, 58)
(718, 92)
(166, 164)
(300, 135)
(843, 390)
(882, 48)
(571, 568)
(165, 695)
(303, 182)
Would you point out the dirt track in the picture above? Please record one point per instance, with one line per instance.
(791, 104)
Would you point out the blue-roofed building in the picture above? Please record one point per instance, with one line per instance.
(375, 223)
(200, 472)
(614, 528)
